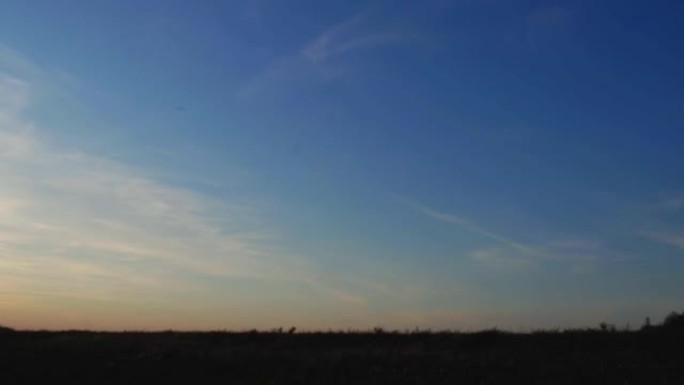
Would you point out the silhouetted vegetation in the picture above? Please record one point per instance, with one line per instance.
(605, 355)
(4, 329)
(674, 320)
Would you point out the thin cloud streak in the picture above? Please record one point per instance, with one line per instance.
(471, 226)
(671, 239)
(319, 59)
(580, 255)
(345, 37)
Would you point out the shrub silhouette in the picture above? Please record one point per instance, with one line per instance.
(606, 327)
(674, 320)
(4, 329)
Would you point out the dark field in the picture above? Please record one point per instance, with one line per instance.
(653, 356)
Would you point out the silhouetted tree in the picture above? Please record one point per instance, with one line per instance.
(674, 320)
(4, 329)
(606, 327)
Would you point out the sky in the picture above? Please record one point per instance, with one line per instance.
(461, 164)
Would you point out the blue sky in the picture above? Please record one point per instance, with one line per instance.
(446, 164)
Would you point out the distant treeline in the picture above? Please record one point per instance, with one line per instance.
(649, 355)
(673, 321)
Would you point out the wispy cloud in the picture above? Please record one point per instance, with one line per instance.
(470, 226)
(507, 254)
(76, 226)
(670, 203)
(668, 238)
(320, 57)
(78, 230)
(503, 258)
(347, 37)
(16, 64)
(70, 201)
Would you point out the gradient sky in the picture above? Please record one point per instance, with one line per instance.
(340, 164)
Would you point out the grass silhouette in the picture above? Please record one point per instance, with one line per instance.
(650, 355)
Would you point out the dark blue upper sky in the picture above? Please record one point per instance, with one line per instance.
(464, 163)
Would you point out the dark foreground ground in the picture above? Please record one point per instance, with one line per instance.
(576, 357)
